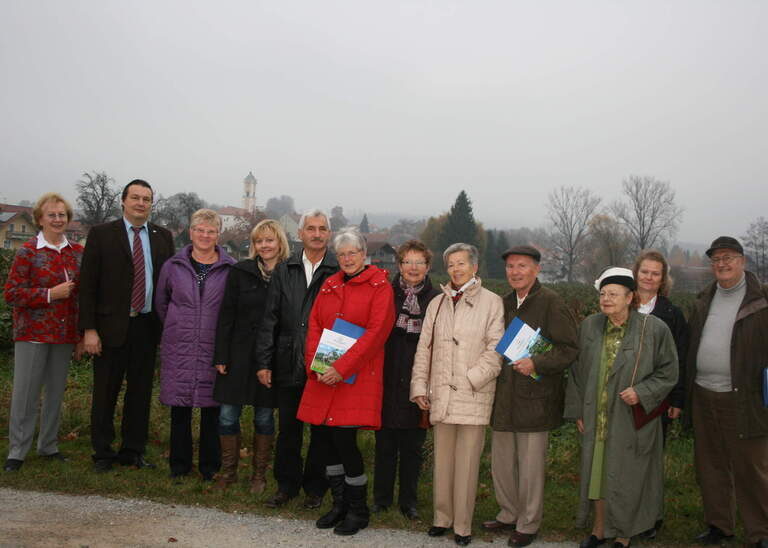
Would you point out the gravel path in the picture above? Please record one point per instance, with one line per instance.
(44, 519)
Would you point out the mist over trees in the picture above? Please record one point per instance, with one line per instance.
(756, 248)
(648, 212)
(279, 206)
(569, 210)
(98, 198)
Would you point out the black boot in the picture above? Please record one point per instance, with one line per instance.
(339, 509)
(357, 513)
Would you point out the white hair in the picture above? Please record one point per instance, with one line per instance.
(315, 212)
(349, 235)
(474, 255)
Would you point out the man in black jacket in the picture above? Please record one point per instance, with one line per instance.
(279, 356)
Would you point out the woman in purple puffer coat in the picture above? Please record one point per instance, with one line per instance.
(187, 300)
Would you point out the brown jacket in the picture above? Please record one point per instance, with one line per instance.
(749, 354)
(523, 404)
(460, 382)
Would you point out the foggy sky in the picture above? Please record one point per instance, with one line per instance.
(392, 106)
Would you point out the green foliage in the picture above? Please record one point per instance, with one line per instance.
(460, 225)
(6, 321)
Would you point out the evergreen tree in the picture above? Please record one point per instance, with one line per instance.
(364, 227)
(496, 268)
(487, 269)
(460, 225)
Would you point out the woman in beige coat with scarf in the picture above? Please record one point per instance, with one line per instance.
(454, 380)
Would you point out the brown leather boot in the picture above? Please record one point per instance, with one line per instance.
(230, 458)
(262, 454)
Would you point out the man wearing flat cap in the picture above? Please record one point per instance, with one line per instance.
(728, 352)
(529, 399)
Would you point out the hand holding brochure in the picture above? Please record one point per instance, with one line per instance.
(520, 341)
(333, 344)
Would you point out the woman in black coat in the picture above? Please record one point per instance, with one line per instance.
(651, 270)
(400, 435)
(237, 384)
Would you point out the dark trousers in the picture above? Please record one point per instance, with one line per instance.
(392, 445)
(290, 474)
(731, 471)
(180, 457)
(338, 445)
(133, 362)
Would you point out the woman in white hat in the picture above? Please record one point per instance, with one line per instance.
(626, 359)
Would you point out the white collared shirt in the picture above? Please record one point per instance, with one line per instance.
(648, 307)
(42, 242)
(309, 268)
(463, 288)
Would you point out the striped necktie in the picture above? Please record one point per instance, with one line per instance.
(139, 284)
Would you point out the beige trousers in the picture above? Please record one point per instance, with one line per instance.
(458, 448)
(518, 464)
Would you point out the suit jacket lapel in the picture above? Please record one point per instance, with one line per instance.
(122, 236)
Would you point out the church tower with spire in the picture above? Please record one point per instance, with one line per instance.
(249, 192)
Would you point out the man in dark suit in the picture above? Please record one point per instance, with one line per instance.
(121, 264)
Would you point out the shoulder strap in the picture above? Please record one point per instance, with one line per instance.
(639, 350)
(432, 336)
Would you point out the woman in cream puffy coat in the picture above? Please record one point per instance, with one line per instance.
(457, 387)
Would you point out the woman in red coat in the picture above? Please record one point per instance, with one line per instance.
(348, 395)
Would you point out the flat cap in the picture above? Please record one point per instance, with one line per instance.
(725, 242)
(528, 250)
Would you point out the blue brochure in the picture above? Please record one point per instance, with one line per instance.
(350, 330)
(765, 387)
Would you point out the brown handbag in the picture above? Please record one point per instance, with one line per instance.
(424, 418)
(639, 415)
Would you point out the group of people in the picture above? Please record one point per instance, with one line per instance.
(233, 334)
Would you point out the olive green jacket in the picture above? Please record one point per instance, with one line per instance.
(633, 470)
(523, 404)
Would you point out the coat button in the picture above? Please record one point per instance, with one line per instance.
(736, 389)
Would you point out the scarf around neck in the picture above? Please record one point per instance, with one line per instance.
(409, 317)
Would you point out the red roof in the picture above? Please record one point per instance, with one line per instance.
(10, 208)
(234, 211)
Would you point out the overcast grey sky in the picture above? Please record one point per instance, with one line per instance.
(393, 106)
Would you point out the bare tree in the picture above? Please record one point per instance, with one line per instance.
(569, 210)
(608, 244)
(756, 244)
(97, 198)
(649, 214)
(175, 211)
(279, 206)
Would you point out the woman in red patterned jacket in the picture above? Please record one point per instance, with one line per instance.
(41, 288)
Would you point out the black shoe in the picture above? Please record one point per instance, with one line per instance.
(437, 531)
(618, 544)
(462, 540)
(313, 501)
(277, 500)
(378, 508)
(591, 542)
(101, 466)
(520, 539)
(137, 461)
(12, 465)
(713, 536)
(410, 512)
(61, 457)
(762, 543)
(355, 496)
(338, 511)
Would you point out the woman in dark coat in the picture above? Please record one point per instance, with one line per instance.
(187, 300)
(651, 271)
(236, 383)
(401, 438)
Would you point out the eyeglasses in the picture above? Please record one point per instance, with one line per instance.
(724, 259)
(413, 263)
(612, 296)
(54, 216)
(204, 232)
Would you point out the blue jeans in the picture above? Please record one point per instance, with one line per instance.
(229, 420)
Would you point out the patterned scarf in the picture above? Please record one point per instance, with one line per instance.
(266, 274)
(408, 319)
